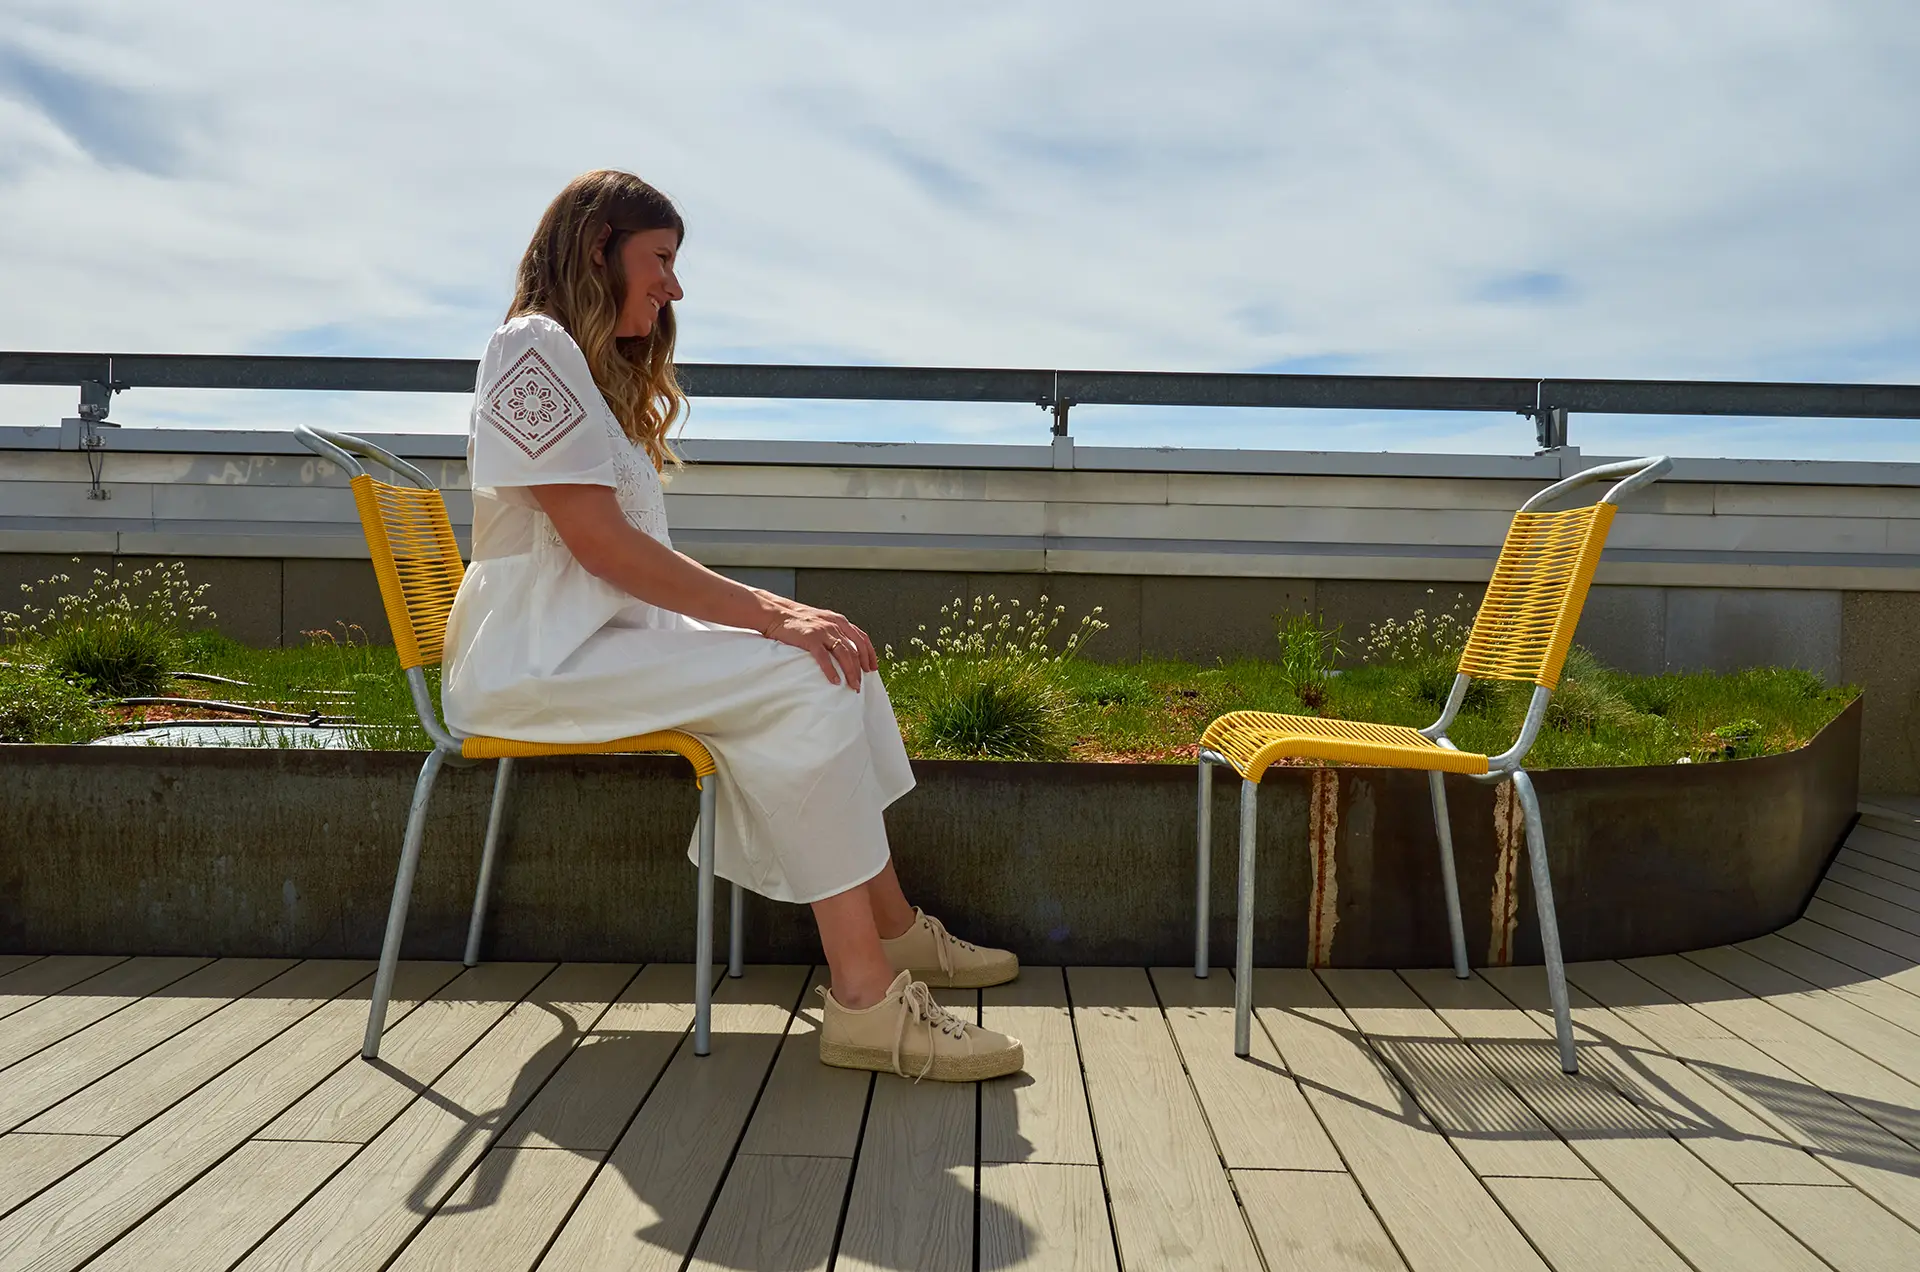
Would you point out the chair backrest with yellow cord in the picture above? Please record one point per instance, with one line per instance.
(1534, 600)
(416, 560)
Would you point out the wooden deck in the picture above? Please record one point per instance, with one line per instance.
(1749, 1107)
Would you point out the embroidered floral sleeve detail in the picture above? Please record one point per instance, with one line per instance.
(637, 487)
(532, 405)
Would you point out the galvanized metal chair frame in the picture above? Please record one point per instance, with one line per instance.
(417, 562)
(1523, 632)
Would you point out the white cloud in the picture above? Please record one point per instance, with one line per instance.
(1715, 190)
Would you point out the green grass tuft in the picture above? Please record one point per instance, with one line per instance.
(36, 705)
(992, 711)
(119, 659)
(1308, 653)
(336, 673)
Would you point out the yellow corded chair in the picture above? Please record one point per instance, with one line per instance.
(1522, 632)
(418, 565)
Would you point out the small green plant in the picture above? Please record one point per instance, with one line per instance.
(122, 636)
(206, 648)
(1742, 739)
(1651, 695)
(1112, 688)
(1587, 696)
(1430, 681)
(379, 701)
(120, 660)
(994, 711)
(38, 706)
(1308, 652)
(1784, 682)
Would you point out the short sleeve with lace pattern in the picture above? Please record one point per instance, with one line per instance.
(536, 411)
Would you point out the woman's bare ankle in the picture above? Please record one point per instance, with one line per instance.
(860, 993)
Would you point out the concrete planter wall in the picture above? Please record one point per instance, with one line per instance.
(128, 850)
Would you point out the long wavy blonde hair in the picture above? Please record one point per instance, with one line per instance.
(559, 279)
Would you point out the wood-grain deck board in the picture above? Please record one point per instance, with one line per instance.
(1438, 1212)
(1852, 1146)
(90, 1208)
(911, 1203)
(51, 1075)
(1755, 1105)
(1171, 1203)
(645, 1207)
(1688, 1204)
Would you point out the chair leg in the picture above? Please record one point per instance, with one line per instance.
(1549, 925)
(703, 927)
(1243, 935)
(494, 818)
(1202, 871)
(397, 910)
(736, 934)
(1443, 824)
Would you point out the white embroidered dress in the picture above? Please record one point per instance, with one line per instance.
(540, 650)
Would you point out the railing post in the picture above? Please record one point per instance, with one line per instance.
(96, 399)
(1062, 440)
(1550, 423)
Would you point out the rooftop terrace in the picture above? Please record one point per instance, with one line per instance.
(1749, 1107)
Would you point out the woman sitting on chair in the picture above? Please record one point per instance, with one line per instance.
(578, 622)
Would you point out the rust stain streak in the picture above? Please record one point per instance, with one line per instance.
(1323, 828)
(1508, 835)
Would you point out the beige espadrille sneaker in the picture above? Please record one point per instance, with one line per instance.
(910, 1034)
(943, 960)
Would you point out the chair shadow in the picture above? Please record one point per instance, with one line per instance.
(480, 1185)
(1619, 1093)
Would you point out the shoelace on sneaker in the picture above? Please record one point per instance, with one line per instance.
(920, 1006)
(943, 941)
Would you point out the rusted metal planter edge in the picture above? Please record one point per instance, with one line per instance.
(291, 853)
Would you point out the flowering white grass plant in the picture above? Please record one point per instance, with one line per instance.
(989, 681)
(122, 635)
(1428, 634)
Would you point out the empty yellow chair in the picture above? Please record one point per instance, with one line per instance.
(1522, 632)
(417, 562)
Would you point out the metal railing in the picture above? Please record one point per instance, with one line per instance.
(1547, 402)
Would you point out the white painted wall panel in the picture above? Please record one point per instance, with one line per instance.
(1346, 492)
(1784, 532)
(69, 499)
(292, 504)
(829, 483)
(1285, 524)
(1750, 534)
(1816, 501)
(915, 516)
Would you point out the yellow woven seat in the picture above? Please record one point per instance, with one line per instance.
(1252, 740)
(685, 745)
(1522, 633)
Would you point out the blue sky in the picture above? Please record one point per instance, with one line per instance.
(1579, 188)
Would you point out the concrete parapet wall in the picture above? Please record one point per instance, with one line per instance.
(1755, 524)
(1190, 554)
